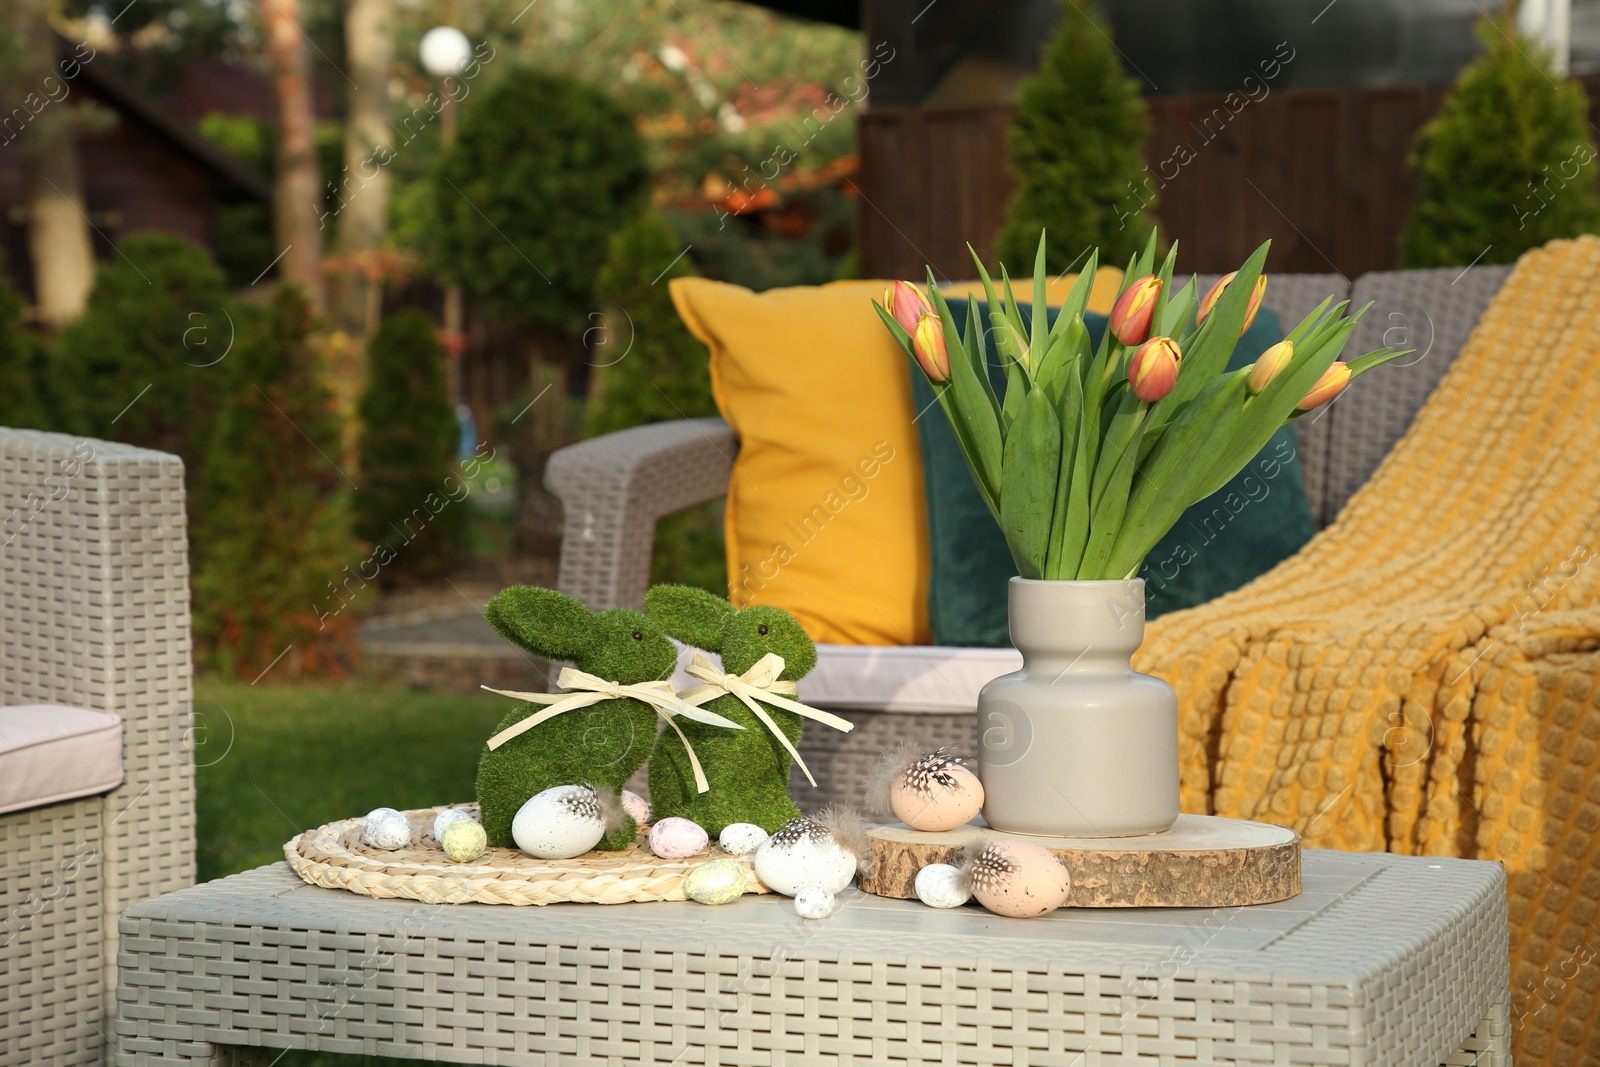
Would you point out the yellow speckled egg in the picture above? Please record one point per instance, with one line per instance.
(716, 882)
(935, 793)
(1018, 879)
(464, 840)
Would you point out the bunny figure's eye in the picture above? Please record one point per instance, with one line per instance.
(637, 636)
(762, 629)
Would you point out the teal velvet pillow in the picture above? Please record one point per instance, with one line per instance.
(1248, 526)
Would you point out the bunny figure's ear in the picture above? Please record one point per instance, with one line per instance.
(543, 621)
(692, 615)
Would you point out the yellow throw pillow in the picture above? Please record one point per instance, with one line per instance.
(825, 514)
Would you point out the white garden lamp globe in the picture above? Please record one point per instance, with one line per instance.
(445, 51)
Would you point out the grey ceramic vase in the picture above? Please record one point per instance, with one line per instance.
(1078, 743)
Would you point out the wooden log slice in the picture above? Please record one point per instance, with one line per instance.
(1203, 862)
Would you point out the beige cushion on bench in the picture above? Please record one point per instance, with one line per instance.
(908, 678)
(52, 752)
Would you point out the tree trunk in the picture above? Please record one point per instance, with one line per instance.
(364, 184)
(58, 229)
(297, 188)
(59, 246)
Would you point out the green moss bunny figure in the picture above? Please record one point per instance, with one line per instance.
(748, 769)
(600, 744)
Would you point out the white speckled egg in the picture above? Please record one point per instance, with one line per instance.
(814, 902)
(803, 852)
(940, 885)
(464, 841)
(741, 838)
(716, 882)
(675, 838)
(1019, 879)
(559, 823)
(386, 828)
(935, 793)
(636, 806)
(444, 819)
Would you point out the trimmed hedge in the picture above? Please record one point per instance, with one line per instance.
(22, 369)
(650, 368)
(545, 168)
(280, 564)
(145, 362)
(1508, 163)
(1077, 148)
(411, 497)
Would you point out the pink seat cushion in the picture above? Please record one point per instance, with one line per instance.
(52, 752)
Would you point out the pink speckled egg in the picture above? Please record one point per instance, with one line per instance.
(935, 793)
(636, 806)
(677, 839)
(1018, 879)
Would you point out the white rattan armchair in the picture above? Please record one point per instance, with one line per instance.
(94, 612)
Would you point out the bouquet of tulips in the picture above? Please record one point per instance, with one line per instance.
(1093, 455)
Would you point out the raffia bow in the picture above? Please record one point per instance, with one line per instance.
(587, 689)
(759, 684)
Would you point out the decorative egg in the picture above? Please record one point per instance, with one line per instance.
(444, 819)
(464, 840)
(636, 806)
(1018, 879)
(559, 823)
(386, 828)
(719, 881)
(676, 838)
(741, 838)
(804, 852)
(939, 885)
(814, 902)
(935, 792)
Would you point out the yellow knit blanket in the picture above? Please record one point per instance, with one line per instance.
(1421, 677)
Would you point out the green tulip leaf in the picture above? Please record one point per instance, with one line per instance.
(895, 330)
(1077, 299)
(1006, 333)
(1013, 317)
(1040, 316)
(1075, 522)
(1110, 501)
(1016, 392)
(1028, 483)
(1175, 312)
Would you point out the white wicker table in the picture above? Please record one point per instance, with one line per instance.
(1382, 960)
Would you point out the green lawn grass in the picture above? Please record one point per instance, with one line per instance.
(275, 760)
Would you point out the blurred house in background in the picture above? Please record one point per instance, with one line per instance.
(143, 168)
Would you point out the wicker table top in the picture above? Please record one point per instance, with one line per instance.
(1381, 960)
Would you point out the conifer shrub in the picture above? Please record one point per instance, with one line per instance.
(279, 563)
(1507, 164)
(145, 362)
(411, 497)
(651, 369)
(544, 169)
(1077, 149)
(22, 403)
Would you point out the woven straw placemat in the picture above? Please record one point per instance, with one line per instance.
(334, 857)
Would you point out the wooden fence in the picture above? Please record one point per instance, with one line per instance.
(1321, 172)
